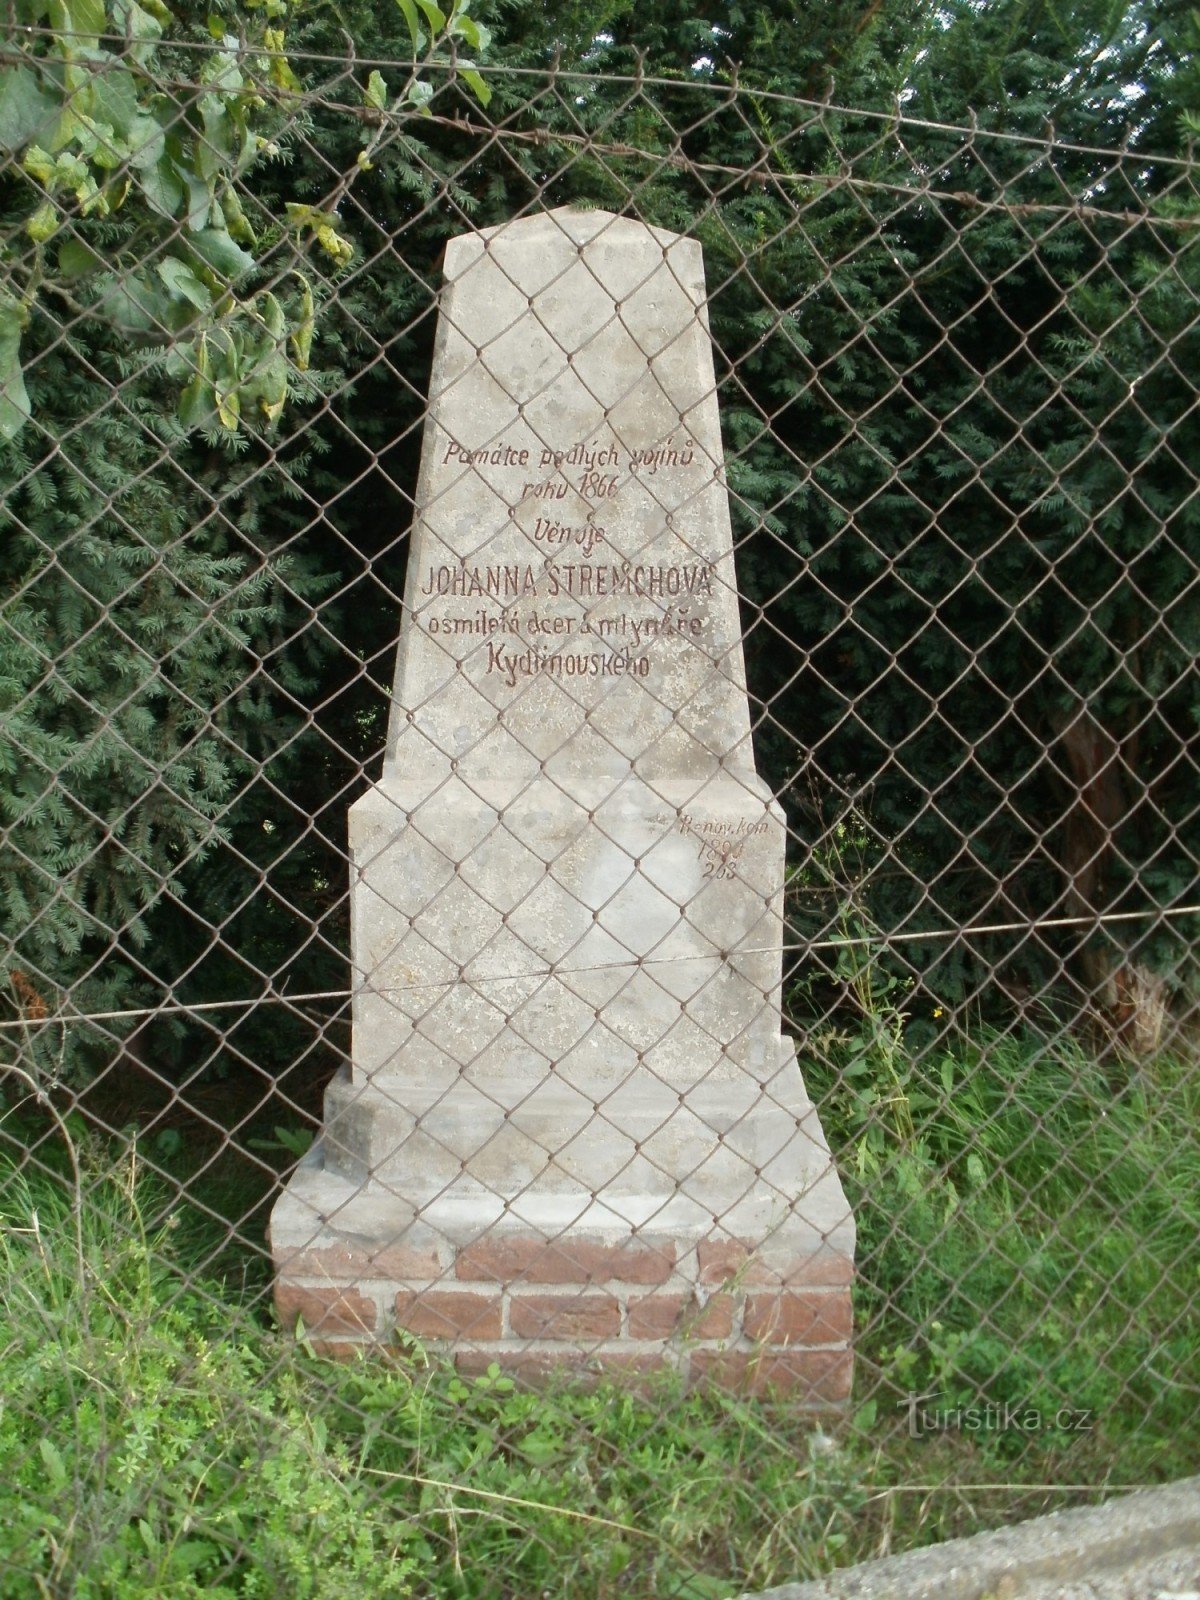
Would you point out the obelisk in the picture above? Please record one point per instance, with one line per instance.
(572, 1131)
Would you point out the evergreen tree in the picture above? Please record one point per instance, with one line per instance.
(957, 435)
(957, 429)
(159, 636)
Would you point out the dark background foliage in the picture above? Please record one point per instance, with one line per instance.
(960, 434)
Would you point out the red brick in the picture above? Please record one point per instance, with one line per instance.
(567, 1316)
(449, 1314)
(662, 1316)
(339, 1349)
(826, 1269)
(535, 1368)
(566, 1260)
(721, 1260)
(523, 1366)
(349, 1263)
(812, 1318)
(812, 1377)
(400, 1263)
(324, 1311)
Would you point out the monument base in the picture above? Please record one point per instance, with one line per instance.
(561, 1280)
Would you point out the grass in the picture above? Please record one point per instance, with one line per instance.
(1028, 1237)
(1033, 1242)
(161, 1441)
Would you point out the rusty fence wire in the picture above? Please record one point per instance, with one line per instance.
(950, 1274)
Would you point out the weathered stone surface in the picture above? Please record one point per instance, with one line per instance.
(567, 886)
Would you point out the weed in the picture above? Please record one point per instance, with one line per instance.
(1027, 1236)
(145, 1454)
(162, 1441)
(1034, 1244)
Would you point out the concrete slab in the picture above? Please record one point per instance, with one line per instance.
(1067, 1553)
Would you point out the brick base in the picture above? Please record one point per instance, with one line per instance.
(720, 1311)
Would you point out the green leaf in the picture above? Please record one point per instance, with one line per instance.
(332, 242)
(272, 314)
(199, 199)
(226, 387)
(190, 1555)
(434, 15)
(43, 224)
(26, 111)
(197, 402)
(140, 25)
(76, 259)
(302, 333)
(619, 1556)
(162, 186)
(183, 283)
(863, 1419)
(99, 143)
(137, 305)
(222, 72)
(375, 94)
(14, 401)
(236, 221)
(219, 251)
(475, 83)
(467, 28)
(271, 387)
(229, 408)
(40, 165)
(218, 130)
(115, 102)
(86, 17)
(702, 1586)
(414, 22)
(146, 142)
(53, 1462)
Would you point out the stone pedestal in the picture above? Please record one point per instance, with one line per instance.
(572, 1132)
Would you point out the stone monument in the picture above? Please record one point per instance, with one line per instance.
(572, 1132)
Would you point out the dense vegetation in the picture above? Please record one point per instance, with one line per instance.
(959, 435)
(961, 441)
(1022, 1251)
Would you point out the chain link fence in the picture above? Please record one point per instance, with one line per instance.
(954, 384)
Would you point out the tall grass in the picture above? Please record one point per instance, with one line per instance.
(1029, 1229)
(162, 1441)
(150, 1447)
(1033, 1243)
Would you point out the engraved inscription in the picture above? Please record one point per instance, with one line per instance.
(719, 843)
(518, 608)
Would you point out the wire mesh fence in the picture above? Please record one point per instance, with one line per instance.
(741, 1057)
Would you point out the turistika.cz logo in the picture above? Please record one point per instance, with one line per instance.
(925, 1418)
